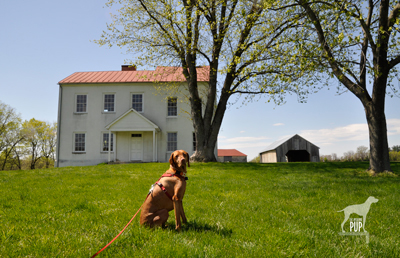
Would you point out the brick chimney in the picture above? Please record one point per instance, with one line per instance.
(128, 67)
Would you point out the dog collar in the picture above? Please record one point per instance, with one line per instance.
(176, 174)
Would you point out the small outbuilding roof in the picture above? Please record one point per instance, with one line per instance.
(161, 74)
(278, 143)
(230, 152)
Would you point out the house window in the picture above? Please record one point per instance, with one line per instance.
(80, 142)
(194, 141)
(172, 143)
(172, 107)
(81, 103)
(137, 102)
(105, 141)
(109, 102)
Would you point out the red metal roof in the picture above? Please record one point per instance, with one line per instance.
(161, 74)
(230, 152)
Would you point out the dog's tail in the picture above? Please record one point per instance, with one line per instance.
(340, 210)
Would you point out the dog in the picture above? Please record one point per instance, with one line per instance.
(167, 194)
(359, 209)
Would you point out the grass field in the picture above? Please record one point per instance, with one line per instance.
(233, 210)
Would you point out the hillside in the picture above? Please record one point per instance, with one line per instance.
(233, 210)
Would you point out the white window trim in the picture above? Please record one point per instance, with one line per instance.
(76, 103)
(101, 142)
(73, 143)
(115, 103)
(168, 116)
(138, 93)
(168, 151)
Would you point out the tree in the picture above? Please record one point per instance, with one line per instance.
(325, 158)
(349, 156)
(10, 132)
(255, 159)
(396, 148)
(362, 153)
(236, 39)
(34, 132)
(48, 143)
(18, 153)
(355, 42)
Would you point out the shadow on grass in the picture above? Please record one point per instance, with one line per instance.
(196, 226)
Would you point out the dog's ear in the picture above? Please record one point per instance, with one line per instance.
(172, 160)
(188, 159)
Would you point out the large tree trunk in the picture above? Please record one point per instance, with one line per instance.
(379, 148)
(204, 154)
(206, 140)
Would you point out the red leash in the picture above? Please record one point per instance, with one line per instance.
(118, 234)
(164, 190)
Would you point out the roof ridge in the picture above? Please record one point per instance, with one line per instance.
(158, 75)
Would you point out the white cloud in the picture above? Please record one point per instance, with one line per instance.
(245, 139)
(393, 126)
(242, 142)
(257, 145)
(242, 131)
(278, 124)
(330, 140)
(353, 132)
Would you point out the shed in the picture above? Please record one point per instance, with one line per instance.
(291, 149)
(231, 155)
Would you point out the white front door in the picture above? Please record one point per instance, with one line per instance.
(136, 147)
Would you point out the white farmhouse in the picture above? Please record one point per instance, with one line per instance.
(126, 116)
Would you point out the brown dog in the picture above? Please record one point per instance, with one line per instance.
(167, 194)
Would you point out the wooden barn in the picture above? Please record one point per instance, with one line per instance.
(291, 149)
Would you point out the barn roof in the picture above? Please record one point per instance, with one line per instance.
(230, 152)
(161, 74)
(278, 143)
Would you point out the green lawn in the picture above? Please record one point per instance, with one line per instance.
(233, 210)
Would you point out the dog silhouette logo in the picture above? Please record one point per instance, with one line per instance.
(356, 224)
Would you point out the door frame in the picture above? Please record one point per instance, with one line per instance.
(130, 147)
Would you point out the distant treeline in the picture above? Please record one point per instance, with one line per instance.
(362, 154)
(25, 144)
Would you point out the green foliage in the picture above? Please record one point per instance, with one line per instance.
(355, 43)
(256, 159)
(394, 156)
(10, 135)
(233, 210)
(340, 39)
(396, 148)
(22, 141)
(241, 40)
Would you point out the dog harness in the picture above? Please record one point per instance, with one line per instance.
(161, 185)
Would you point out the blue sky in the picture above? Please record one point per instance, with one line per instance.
(44, 41)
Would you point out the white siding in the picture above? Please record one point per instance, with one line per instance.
(94, 122)
(268, 157)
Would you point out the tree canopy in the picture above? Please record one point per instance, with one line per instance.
(31, 140)
(355, 42)
(236, 39)
(273, 47)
